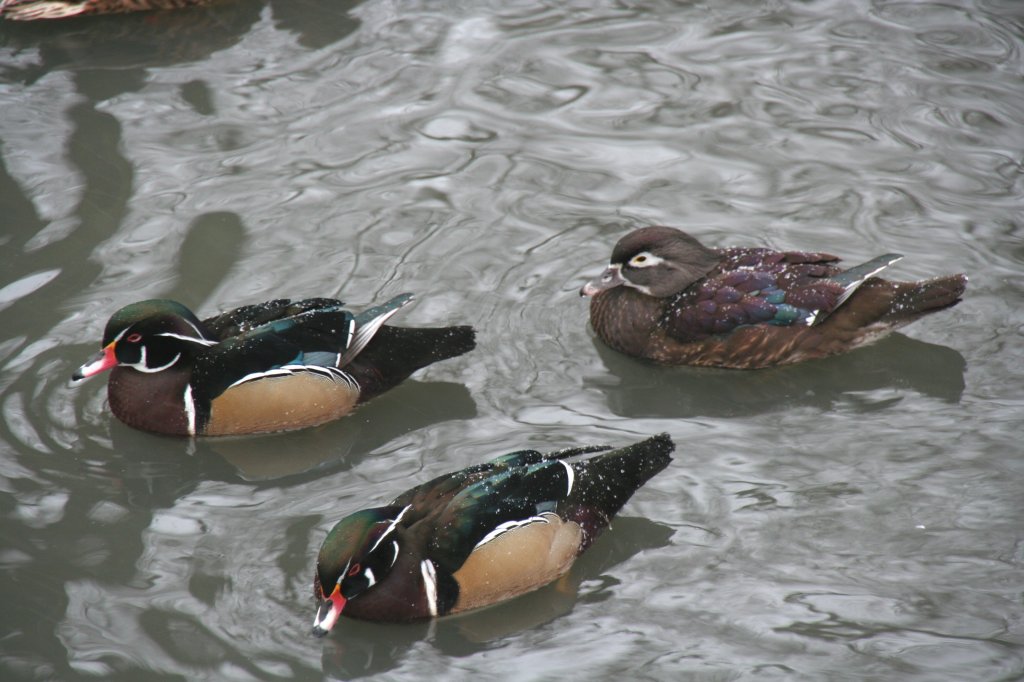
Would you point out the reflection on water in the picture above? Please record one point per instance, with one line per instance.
(414, 405)
(893, 365)
(856, 516)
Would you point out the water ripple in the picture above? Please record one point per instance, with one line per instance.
(857, 516)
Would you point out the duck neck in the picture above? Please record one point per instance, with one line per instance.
(625, 318)
(150, 401)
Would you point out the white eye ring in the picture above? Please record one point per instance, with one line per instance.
(645, 259)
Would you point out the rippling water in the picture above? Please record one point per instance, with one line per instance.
(855, 518)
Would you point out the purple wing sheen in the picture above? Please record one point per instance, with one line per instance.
(758, 287)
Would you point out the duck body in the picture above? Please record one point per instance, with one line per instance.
(479, 536)
(273, 366)
(32, 10)
(665, 297)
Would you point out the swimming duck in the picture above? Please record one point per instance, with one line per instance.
(271, 366)
(666, 297)
(479, 536)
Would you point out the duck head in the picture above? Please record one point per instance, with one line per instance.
(656, 261)
(148, 336)
(357, 554)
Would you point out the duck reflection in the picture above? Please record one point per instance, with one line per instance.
(635, 388)
(209, 254)
(361, 649)
(316, 23)
(343, 444)
(126, 44)
(153, 39)
(586, 583)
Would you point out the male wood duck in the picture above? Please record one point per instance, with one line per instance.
(272, 366)
(479, 536)
(667, 298)
(30, 10)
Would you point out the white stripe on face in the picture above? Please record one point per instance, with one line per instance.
(192, 339)
(391, 528)
(141, 365)
(645, 259)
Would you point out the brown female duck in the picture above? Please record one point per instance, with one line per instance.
(665, 297)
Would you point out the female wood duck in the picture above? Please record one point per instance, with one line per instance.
(667, 298)
(478, 536)
(272, 366)
(30, 10)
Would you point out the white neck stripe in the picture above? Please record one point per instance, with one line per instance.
(638, 287)
(141, 365)
(190, 410)
(429, 584)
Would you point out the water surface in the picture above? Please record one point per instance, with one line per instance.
(854, 518)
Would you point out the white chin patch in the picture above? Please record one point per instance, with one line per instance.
(325, 621)
(639, 287)
(93, 368)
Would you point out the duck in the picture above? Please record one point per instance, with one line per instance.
(274, 366)
(31, 10)
(667, 298)
(477, 537)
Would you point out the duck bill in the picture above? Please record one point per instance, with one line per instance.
(328, 612)
(101, 362)
(609, 279)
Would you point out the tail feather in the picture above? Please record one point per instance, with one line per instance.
(913, 299)
(368, 322)
(606, 482)
(396, 352)
(852, 278)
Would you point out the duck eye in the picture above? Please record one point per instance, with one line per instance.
(639, 260)
(134, 338)
(356, 568)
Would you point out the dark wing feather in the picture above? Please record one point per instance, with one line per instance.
(512, 495)
(605, 483)
(767, 259)
(249, 317)
(755, 286)
(588, 492)
(439, 491)
(282, 342)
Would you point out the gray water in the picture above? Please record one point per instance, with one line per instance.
(856, 518)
